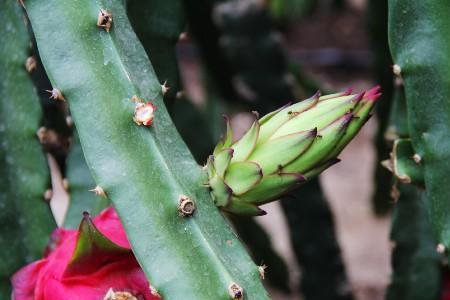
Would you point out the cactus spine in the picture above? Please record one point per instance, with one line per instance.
(25, 219)
(418, 37)
(142, 170)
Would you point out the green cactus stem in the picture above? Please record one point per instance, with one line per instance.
(25, 219)
(144, 171)
(416, 263)
(285, 148)
(80, 185)
(418, 37)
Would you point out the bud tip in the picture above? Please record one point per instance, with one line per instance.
(373, 94)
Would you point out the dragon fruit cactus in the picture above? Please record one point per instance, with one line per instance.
(284, 149)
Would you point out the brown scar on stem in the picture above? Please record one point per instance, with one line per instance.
(186, 207)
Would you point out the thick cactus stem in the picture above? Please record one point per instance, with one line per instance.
(25, 218)
(418, 37)
(142, 169)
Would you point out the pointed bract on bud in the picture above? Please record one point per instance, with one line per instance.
(284, 149)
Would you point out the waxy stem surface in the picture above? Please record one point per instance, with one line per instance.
(143, 170)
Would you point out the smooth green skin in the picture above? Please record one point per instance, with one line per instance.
(25, 219)
(143, 170)
(321, 115)
(282, 150)
(325, 142)
(418, 38)
(80, 182)
(158, 25)
(415, 262)
(271, 187)
(274, 120)
(244, 147)
(242, 176)
(222, 161)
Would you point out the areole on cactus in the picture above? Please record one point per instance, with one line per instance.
(284, 149)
